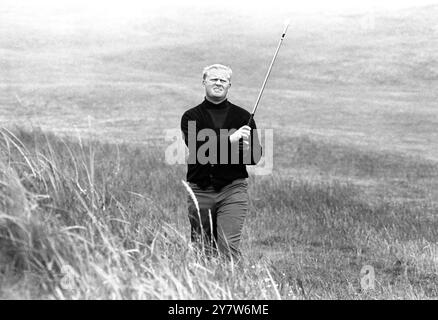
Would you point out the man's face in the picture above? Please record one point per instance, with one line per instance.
(216, 84)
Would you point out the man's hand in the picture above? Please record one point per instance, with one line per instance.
(243, 133)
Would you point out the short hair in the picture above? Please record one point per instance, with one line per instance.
(216, 66)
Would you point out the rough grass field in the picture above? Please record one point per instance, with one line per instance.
(100, 209)
(90, 209)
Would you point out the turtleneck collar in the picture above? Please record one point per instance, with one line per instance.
(212, 105)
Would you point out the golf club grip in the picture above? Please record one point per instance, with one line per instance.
(250, 119)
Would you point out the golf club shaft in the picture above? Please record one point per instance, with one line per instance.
(267, 74)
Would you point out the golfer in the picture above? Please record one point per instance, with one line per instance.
(221, 144)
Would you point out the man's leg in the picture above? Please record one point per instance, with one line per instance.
(203, 222)
(232, 208)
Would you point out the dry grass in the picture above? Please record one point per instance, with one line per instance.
(99, 221)
(91, 220)
(354, 113)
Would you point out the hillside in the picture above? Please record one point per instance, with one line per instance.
(91, 210)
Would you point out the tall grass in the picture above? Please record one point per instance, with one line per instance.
(89, 220)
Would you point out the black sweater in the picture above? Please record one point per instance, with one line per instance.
(213, 171)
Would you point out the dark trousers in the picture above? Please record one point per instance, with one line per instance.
(219, 223)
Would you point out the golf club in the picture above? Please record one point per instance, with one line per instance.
(269, 71)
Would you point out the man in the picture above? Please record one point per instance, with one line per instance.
(218, 175)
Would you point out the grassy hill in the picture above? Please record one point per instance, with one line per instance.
(92, 220)
(337, 76)
(383, 48)
(90, 209)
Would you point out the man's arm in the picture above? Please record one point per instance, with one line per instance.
(248, 140)
(256, 150)
(185, 127)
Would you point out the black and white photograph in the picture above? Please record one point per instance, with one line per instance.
(232, 152)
